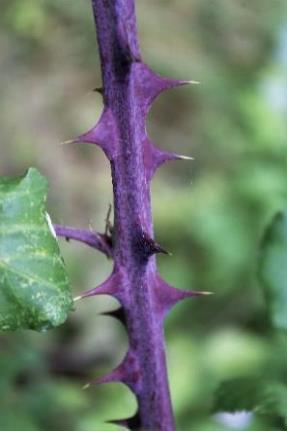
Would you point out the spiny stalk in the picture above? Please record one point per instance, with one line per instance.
(129, 88)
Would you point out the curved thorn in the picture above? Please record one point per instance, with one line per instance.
(145, 246)
(154, 158)
(99, 90)
(126, 372)
(118, 314)
(167, 296)
(133, 423)
(114, 376)
(153, 84)
(109, 287)
(156, 248)
(103, 134)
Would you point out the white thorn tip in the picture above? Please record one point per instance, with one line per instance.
(69, 141)
(77, 298)
(181, 157)
(193, 82)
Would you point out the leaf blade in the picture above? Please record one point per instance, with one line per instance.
(34, 287)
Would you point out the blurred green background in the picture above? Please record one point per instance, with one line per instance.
(210, 213)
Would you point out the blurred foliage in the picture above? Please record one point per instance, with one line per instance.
(221, 349)
(272, 270)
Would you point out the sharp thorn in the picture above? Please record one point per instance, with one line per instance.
(192, 82)
(131, 423)
(156, 248)
(114, 376)
(99, 90)
(181, 157)
(69, 141)
(77, 298)
(118, 314)
(206, 293)
(108, 287)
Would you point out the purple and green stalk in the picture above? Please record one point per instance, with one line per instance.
(129, 88)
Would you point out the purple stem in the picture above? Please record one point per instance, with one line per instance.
(129, 88)
(93, 239)
(144, 368)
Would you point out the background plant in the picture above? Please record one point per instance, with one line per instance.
(239, 181)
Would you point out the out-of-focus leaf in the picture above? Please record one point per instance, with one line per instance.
(274, 401)
(34, 288)
(267, 399)
(273, 270)
(10, 421)
(241, 394)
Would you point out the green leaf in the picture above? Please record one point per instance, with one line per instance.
(34, 288)
(273, 270)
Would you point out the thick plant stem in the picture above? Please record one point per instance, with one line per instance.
(125, 103)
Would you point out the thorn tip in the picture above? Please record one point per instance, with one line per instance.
(193, 82)
(182, 157)
(69, 141)
(99, 90)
